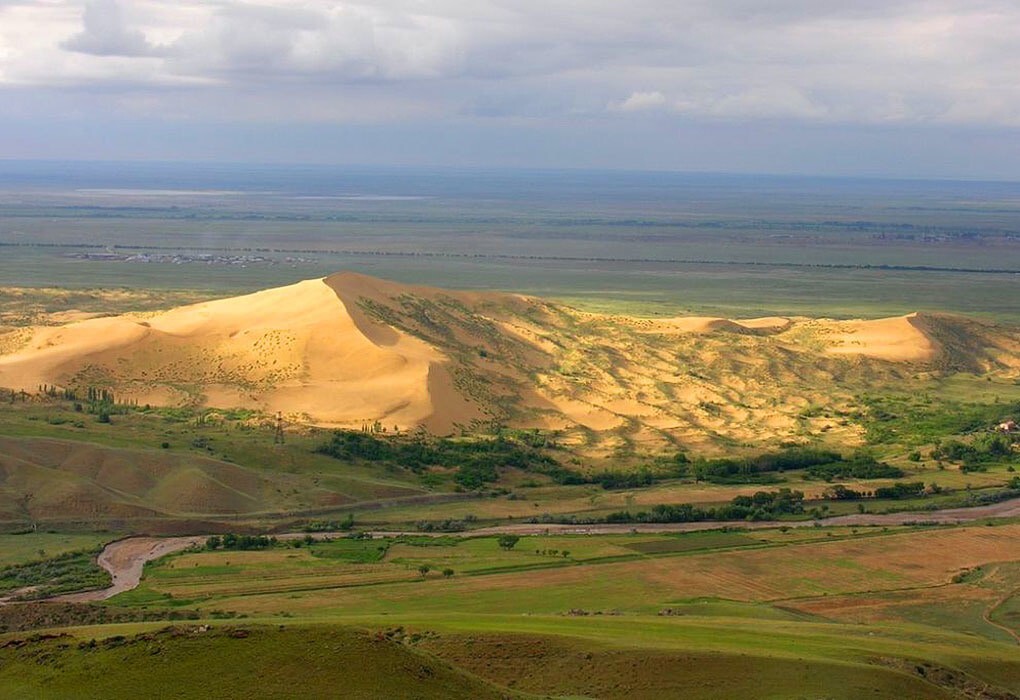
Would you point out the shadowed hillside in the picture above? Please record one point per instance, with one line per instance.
(43, 479)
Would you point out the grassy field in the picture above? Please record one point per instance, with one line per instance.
(42, 564)
(615, 287)
(230, 663)
(33, 546)
(821, 612)
(623, 574)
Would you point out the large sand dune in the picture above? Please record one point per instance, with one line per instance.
(295, 349)
(350, 350)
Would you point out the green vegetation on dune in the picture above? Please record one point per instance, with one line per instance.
(34, 305)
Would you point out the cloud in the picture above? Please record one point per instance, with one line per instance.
(106, 33)
(864, 62)
(342, 43)
(640, 102)
(759, 102)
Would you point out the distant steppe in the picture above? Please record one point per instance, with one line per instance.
(352, 351)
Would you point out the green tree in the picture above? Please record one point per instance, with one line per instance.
(508, 542)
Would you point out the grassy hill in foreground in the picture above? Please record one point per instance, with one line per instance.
(588, 660)
(352, 350)
(194, 662)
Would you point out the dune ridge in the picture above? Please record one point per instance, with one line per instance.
(348, 349)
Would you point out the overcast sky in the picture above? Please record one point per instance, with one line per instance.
(881, 87)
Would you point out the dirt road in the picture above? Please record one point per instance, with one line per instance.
(125, 559)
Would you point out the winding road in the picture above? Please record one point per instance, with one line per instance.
(125, 559)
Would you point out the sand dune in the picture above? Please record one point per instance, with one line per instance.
(711, 324)
(895, 339)
(348, 350)
(295, 349)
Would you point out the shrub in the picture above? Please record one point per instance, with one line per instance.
(900, 490)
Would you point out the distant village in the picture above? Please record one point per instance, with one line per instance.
(185, 259)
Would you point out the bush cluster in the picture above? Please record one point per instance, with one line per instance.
(763, 505)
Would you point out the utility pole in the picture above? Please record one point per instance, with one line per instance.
(278, 434)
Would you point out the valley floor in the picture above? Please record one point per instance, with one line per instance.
(891, 611)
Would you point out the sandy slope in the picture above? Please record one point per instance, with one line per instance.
(895, 339)
(294, 349)
(711, 324)
(350, 350)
